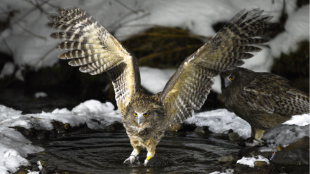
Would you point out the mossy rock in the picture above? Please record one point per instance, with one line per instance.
(295, 67)
(163, 47)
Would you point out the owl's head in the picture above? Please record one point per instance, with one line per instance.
(235, 78)
(142, 112)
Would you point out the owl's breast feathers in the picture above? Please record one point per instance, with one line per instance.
(152, 130)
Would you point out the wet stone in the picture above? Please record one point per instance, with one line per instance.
(233, 136)
(279, 148)
(302, 143)
(114, 127)
(67, 126)
(44, 135)
(59, 127)
(291, 157)
(260, 163)
(202, 131)
(229, 158)
(254, 151)
(240, 168)
(228, 165)
(248, 152)
(159, 162)
(22, 172)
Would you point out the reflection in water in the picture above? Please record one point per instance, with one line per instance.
(105, 153)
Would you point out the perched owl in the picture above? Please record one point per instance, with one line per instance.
(264, 100)
(145, 116)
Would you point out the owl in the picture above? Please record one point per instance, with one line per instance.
(146, 116)
(264, 100)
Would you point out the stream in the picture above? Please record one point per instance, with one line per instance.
(102, 152)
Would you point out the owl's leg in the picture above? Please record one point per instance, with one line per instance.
(151, 147)
(258, 137)
(258, 134)
(134, 153)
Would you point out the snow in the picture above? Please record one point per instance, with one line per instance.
(299, 120)
(14, 147)
(154, 79)
(220, 121)
(28, 39)
(40, 95)
(296, 30)
(250, 160)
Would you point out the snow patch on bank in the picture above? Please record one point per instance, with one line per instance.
(249, 161)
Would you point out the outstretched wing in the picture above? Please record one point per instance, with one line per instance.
(190, 85)
(273, 94)
(95, 50)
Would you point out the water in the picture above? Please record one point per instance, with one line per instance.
(105, 152)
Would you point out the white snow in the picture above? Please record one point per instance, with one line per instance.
(296, 30)
(40, 95)
(39, 165)
(250, 160)
(154, 79)
(29, 42)
(220, 121)
(299, 120)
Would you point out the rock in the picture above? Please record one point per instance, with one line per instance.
(229, 158)
(22, 172)
(228, 165)
(202, 131)
(302, 143)
(240, 168)
(175, 127)
(248, 152)
(159, 162)
(260, 163)
(59, 127)
(233, 136)
(291, 157)
(44, 135)
(254, 151)
(67, 126)
(279, 148)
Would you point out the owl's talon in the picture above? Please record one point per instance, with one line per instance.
(131, 159)
(255, 143)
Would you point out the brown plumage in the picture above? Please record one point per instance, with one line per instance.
(264, 100)
(146, 116)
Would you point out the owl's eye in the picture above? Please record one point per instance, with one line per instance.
(145, 114)
(135, 114)
(231, 78)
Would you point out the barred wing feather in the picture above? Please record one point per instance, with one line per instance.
(91, 47)
(190, 85)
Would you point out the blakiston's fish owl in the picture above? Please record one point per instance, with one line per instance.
(264, 100)
(145, 116)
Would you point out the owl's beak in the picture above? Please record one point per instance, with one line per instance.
(140, 119)
(227, 81)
